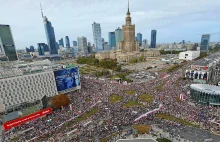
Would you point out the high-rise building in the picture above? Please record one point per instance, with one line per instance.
(67, 40)
(129, 43)
(204, 46)
(139, 38)
(50, 34)
(145, 43)
(97, 35)
(153, 39)
(118, 36)
(74, 43)
(57, 45)
(82, 45)
(7, 46)
(89, 47)
(32, 48)
(61, 42)
(111, 38)
(183, 42)
(40, 48)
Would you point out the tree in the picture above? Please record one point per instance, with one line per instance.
(141, 58)
(118, 68)
(60, 100)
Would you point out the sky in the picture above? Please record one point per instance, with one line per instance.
(174, 20)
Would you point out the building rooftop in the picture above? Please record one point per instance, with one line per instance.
(209, 61)
(210, 89)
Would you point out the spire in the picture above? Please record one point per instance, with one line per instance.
(41, 11)
(128, 13)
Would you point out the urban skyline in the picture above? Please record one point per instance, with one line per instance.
(159, 17)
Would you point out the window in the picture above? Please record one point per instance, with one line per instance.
(186, 54)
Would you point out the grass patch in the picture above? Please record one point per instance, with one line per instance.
(163, 140)
(115, 98)
(173, 118)
(14, 139)
(146, 98)
(142, 129)
(106, 139)
(130, 92)
(114, 77)
(30, 110)
(84, 116)
(88, 100)
(132, 103)
(178, 99)
(159, 87)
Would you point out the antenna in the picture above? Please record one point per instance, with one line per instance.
(41, 10)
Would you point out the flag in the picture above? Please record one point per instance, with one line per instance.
(71, 107)
(182, 97)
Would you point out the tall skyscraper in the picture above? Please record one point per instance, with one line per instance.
(7, 46)
(61, 42)
(129, 43)
(204, 46)
(139, 38)
(82, 45)
(74, 43)
(153, 39)
(118, 36)
(111, 38)
(51, 40)
(145, 43)
(89, 47)
(67, 40)
(40, 48)
(97, 35)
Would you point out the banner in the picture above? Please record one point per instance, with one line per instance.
(16, 122)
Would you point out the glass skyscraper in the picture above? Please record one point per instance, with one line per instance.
(204, 46)
(139, 38)
(51, 40)
(67, 40)
(61, 42)
(7, 46)
(153, 39)
(97, 35)
(40, 48)
(82, 45)
(111, 37)
(118, 36)
(74, 43)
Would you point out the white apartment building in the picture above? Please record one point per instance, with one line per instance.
(189, 55)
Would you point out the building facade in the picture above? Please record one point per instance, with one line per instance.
(189, 55)
(111, 37)
(7, 45)
(129, 42)
(118, 36)
(145, 44)
(67, 40)
(61, 42)
(97, 36)
(139, 38)
(51, 40)
(153, 39)
(82, 45)
(40, 48)
(204, 46)
(74, 43)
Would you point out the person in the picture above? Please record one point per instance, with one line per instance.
(69, 81)
(76, 78)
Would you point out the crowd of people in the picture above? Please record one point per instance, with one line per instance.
(113, 117)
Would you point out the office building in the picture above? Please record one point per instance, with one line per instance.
(118, 36)
(204, 46)
(153, 39)
(145, 44)
(97, 35)
(61, 42)
(89, 47)
(111, 37)
(57, 45)
(7, 45)
(139, 38)
(40, 48)
(32, 48)
(50, 34)
(67, 40)
(82, 45)
(74, 43)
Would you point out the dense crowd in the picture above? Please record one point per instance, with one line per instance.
(113, 118)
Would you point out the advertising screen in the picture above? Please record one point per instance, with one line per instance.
(16, 122)
(67, 78)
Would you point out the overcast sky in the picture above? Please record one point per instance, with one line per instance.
(174, 20)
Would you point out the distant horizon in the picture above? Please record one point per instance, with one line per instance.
(174, 21)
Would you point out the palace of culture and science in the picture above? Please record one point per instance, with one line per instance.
(128, 47)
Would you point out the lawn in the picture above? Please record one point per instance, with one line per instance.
(132, 103)
(130, 92)
(173, 118)
(106, 139)
(163, 140)
(146, 98)
(83, 117)
(159, 87)
(115, 98)
(88, 100)
(142, 129)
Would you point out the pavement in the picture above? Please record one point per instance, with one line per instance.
(1, 130)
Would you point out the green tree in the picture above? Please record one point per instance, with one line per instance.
(118, 68)
(142, 58)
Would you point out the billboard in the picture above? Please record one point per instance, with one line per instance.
(16, 122)
(200, 75)
(67, 78)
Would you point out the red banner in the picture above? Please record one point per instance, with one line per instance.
(16, 122)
